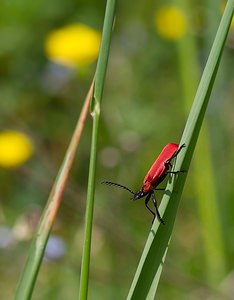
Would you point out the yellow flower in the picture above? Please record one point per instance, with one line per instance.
(73, 45)
(170, 22)
(15, 148)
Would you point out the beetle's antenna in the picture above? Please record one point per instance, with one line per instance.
(118, 185)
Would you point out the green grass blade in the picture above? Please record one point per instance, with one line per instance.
(32, 266)
(95, 111)
(103, 55)
(148, 273)
(204, 194)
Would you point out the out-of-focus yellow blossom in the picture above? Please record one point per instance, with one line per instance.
(170, 22)
(15, 148)
(73, 45)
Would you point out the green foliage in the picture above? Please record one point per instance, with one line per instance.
(141, 112)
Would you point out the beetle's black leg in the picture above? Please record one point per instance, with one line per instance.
(168, 162)
(146, 204)
(156, 207)
(176, 172)
(178, 151)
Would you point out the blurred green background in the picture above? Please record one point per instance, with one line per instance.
(150, 82)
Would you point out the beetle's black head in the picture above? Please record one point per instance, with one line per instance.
(139, 195)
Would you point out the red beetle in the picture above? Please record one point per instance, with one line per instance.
(157, 173)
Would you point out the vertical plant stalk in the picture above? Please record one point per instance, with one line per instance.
(32, 266)
(204, 180)
(95, 112)
(149, 270)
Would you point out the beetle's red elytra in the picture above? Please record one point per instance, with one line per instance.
(157, 173)
(158, 170)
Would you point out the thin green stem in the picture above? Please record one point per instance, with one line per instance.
(95, 112)
(89, 212)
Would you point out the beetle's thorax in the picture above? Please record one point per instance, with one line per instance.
(147, 186)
